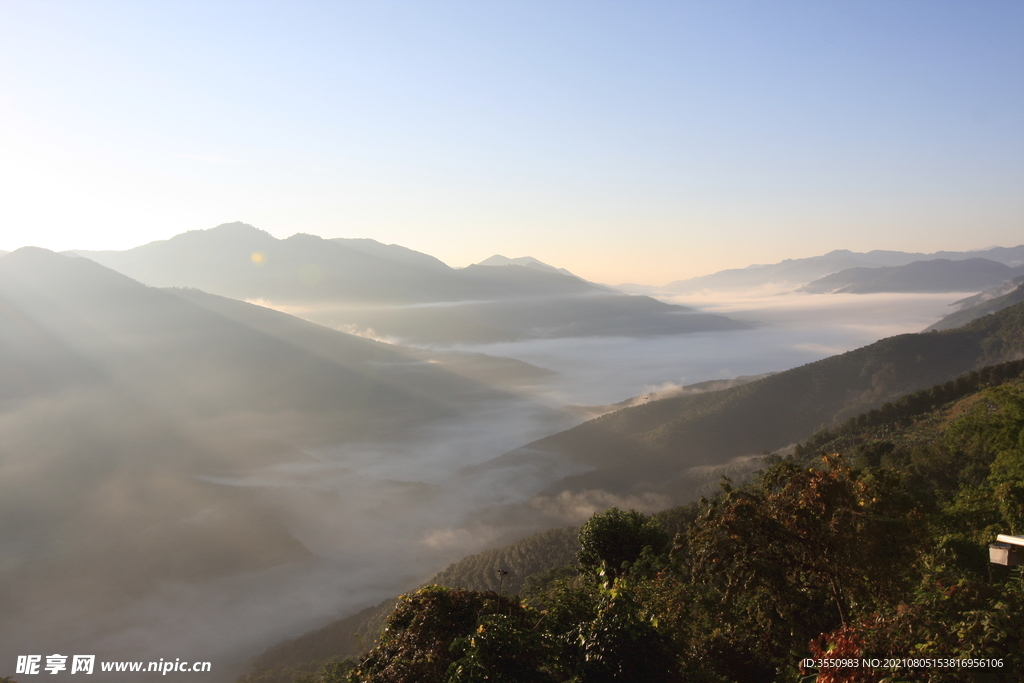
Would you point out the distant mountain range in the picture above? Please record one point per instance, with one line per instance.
(389, 291)
(938, 275)
(243, 262)
(797, 272)
(72, 320)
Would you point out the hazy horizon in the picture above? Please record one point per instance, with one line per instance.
(623, 142)
(663, 295)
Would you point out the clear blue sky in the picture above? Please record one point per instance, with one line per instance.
(626, 141)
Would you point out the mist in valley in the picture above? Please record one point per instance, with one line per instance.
(187, 475)
(788, 330)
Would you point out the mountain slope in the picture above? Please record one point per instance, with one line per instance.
(393, 252)
(938, 275)
(124, 331)
(912, 420)
(662, 444)
(980, 305)
(161, 450)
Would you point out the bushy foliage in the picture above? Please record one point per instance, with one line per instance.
(614, 539)
(948, 616)
(430, 629)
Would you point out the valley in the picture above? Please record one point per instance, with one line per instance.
(221, 475)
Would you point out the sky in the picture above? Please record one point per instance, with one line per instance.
(626, 141)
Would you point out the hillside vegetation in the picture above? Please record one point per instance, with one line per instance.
(527, 565)
(915, 420)
(876, 550)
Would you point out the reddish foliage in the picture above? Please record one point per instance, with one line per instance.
(843, 643)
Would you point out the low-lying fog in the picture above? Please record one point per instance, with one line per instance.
(796, 329)
(381, 516)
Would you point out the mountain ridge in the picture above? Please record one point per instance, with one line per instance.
(388, 291)
(527, 261)
(936, 275)
(803, 270)
(244, 262)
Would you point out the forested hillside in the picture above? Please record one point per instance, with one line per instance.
(528, 564)
(846, 555)
(870, 542)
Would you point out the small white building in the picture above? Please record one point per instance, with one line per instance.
(1007, 550)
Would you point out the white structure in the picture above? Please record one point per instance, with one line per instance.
(1007, 550)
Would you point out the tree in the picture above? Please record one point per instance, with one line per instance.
(440, 634)
(614, 540)
(623, 644)
(503, 649)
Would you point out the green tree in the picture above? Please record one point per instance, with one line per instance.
(622, 643)
(613, 540)
(991, 433)
(503, 649)
(438, 634)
